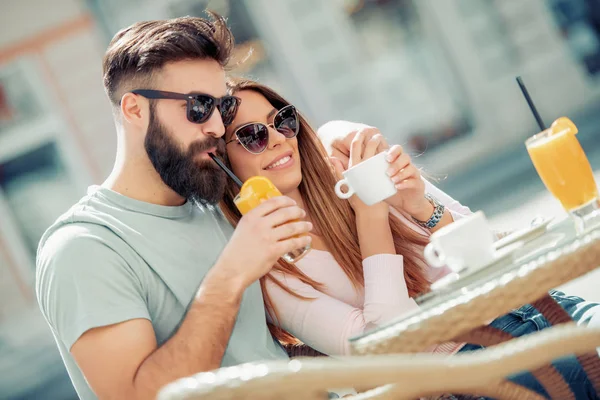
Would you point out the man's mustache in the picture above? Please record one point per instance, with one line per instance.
(200, 146)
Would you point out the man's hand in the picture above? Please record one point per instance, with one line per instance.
(123, 361)
(262, 236)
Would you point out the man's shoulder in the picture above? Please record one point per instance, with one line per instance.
(79, 221)
(71, 234)
(81, 233)
(76, 254)
(73, 248)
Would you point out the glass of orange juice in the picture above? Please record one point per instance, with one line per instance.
(254, 191)
(565, 170)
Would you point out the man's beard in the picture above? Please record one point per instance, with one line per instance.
(200, 180)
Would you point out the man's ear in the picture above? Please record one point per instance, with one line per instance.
(133, 109)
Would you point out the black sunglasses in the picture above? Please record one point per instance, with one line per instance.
(200, 106)
(254, 136)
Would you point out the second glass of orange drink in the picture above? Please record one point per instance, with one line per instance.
(565, 170)
(254, 191)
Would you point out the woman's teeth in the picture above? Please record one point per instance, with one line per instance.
(280, 162)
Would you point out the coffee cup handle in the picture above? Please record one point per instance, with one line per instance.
(338, 189)
(434, 256)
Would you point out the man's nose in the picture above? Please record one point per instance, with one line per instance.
(214, 125)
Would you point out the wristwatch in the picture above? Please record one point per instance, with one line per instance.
(438, 213)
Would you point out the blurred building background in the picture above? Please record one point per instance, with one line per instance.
(436, 76)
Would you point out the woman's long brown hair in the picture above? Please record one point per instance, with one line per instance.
(332, 218)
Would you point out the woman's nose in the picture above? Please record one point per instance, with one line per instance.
(275, 137)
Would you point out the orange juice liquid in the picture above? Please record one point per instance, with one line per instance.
(564, 168)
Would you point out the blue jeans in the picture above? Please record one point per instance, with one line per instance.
(527, 319)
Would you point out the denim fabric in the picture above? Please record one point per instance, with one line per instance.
(527, 319)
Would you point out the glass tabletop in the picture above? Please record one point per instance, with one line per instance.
(558, 235)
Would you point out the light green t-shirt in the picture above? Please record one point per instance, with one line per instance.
(111, 258)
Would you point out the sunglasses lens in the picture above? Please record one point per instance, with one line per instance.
(228, 109)
(286, 122)
(254, 138)
(200, 108)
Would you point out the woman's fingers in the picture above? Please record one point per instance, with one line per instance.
(394, 152)
(372, 146)
(410, 183)
(405, 173)
(338, 167)
(402, 162)
(357, 147)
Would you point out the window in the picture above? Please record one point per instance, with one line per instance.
(37, 189)
(406, 66)
(579, 24)
(37, 171)
(18, 101)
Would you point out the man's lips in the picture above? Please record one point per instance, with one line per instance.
(211, 150)
(204, 153)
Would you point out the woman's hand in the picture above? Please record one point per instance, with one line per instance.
(363, 147)
(337, 137)
(340, 136)
(411, 188)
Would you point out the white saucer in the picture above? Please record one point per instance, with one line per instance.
(524, 235)
(505, 251)
(500, 255)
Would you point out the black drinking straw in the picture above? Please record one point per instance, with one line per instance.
(227, 170)
(534, 110)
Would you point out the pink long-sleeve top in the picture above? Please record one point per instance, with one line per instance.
(330, 317)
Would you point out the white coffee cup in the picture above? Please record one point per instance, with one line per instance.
(466, 243)
(368, 180)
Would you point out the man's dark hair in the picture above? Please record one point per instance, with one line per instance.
(137, 52)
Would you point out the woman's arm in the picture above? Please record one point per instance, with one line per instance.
(372, 222)
(453, 209)
(456, 209)
(326, 323)
(426, 212)
(338, 136)
(374, 234)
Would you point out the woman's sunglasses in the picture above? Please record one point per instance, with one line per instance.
(199, 106)
(254, 136)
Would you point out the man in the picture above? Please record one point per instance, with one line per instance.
(141, 281)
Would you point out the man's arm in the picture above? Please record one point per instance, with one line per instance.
(111, 337)
(122, 361)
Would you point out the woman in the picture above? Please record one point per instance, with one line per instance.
(366, 266)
